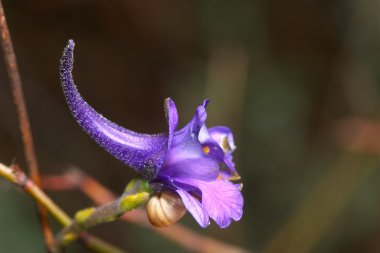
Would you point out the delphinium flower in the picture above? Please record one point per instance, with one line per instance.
(193, 163)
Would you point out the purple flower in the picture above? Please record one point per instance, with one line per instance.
(195, 161)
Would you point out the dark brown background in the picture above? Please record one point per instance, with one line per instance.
(281, 74)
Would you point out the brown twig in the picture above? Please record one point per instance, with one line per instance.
(26, 134)
(75, 179)
(16, 176)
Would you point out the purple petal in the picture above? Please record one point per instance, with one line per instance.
(201, 167)
(172, 118)
(186, 157)
(194, 126)
(230, 164)
(145, 153)
(221, 199)
(206, 140)
(194, 207)
(223, 136)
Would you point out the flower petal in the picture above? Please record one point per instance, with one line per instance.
(172, 118)
(186, 157)
(145, 153)
(223, 136)
(194, 207)
(198, 167)
(199, 118)
(221, 199)
(230, 164)
(206, 140)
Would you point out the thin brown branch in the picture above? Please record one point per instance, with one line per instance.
(101, 195)
(24, 125)
(16, 176)
(15, 80)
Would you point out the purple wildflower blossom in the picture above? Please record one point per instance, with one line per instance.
(195, 161)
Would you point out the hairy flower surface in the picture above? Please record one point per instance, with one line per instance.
(195, 162)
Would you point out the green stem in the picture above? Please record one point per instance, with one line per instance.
(135, 195)
(18, 177)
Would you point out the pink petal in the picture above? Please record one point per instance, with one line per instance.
(221, 199)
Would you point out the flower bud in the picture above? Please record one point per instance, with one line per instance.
(164, 209)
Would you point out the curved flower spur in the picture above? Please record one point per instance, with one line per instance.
(190, 167)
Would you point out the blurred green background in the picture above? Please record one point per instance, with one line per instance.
(297, 81)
